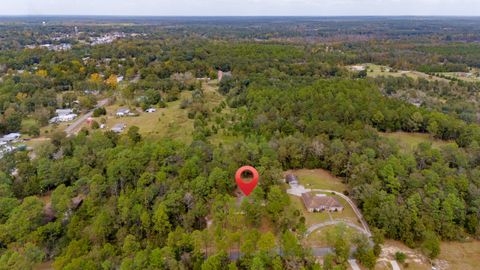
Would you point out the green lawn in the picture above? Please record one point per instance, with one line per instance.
(310, 218)
(409, 141)
(170, 122)
(457, 75)
(374, 70)
(463, 256)
(319, 238)
(319, 179)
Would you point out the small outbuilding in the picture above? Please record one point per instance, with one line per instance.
(291, 179)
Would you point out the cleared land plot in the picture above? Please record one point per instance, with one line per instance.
(409, 141)
(465, 256)
(319, 238)
(319, 179)
(171, 122)
(374, 70)
(459, 75)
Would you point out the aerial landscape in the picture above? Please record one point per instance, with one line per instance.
(258, 141)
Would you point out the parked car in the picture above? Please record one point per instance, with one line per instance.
(150, 110)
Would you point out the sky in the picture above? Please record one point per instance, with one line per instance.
(241, 7)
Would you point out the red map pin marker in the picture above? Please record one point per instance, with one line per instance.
(246, 187)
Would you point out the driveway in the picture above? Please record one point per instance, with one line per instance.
(354, 264)
(334, 222)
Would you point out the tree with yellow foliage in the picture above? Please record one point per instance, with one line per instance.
(21, 96)
(96, 78)
(42, 73)
(112, 81)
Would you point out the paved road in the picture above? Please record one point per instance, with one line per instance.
(72, 128)
(394, 264)
(316, 251)
(354, 264)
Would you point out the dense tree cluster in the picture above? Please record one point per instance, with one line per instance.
(99, 200)
(331, 124)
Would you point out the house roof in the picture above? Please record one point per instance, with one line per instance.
(123, 110)
(63, 111)
(314, 201)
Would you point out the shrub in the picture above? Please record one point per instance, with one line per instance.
(400, 257)
(99, 111)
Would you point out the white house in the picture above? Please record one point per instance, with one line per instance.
(118, 128)
(63, 118)
(10, 137)
(67, 117)
(122, 112)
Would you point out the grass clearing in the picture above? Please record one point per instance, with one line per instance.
(465, 256)
(319, 238)
(374, 70)
(408, 142)
(319, 179)
(472, 77)
(171, 122)
(310, 218)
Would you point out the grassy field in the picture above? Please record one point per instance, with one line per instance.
(319, 238)
(458, 75)
(453, 255)
(409, 141)
(378, 70)
(319, 179)
(465, 256)
(170, 122)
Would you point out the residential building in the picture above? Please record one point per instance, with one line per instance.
(122, 112)
(321, 202)
(10, 137)
(118, 128)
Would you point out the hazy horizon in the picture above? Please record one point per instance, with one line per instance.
(228, 8)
